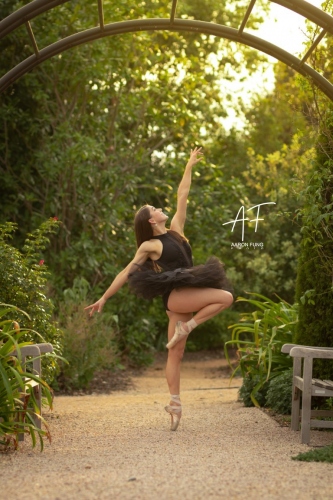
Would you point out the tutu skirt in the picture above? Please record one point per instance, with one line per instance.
(147, 283)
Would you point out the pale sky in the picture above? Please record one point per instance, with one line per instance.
(285, 28)
(281, 27)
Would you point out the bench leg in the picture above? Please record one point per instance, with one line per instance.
(296, 396)
(306, 401)
(38, 396)
(24, 399)
(37, 369)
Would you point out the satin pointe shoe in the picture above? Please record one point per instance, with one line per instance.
(179, 335)
(175, 412)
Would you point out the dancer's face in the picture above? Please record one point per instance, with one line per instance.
(157, 215)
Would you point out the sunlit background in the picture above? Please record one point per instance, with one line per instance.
(283, 28)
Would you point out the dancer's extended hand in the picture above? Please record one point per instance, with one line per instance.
(195, 156)
(96, 307)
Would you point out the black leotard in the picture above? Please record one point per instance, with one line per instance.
(176, 253)
(174, 269)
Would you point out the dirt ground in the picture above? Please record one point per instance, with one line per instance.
(117, 445)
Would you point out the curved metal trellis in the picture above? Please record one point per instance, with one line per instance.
(37, 7)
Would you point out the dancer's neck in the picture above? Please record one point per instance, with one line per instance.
(159, 230)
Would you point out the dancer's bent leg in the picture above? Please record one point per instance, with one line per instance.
(208, 302)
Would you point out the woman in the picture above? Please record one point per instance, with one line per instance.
(185, 289)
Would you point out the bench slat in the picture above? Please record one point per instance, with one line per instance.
(327, 384)
(323, 424)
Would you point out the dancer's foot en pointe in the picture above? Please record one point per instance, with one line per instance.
(182, 330)
(175, 411)
(180, 333)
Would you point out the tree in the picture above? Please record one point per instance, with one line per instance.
(314, 281)
(267, 162)
(99, 130)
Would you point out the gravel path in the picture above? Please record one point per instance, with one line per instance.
(119, 446)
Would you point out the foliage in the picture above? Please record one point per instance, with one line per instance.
(89, 343)
(142, 325)
(274, 119)
(17, 412)
(276, 394)
(92, 142)
(247, 388)
(324, 454)
(277, 177)
(279, 393)
(259, 337)
(267, 163)
(314, 282)
(23, 283)
(108, 128)
(314, 290)
(111, 135)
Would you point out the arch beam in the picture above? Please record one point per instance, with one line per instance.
(26, 13)
(37, 7)
(309, 11)
(178, 25)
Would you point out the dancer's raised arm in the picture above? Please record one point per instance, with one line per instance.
(178, 221)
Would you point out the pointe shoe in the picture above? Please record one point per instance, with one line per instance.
(179, 335)
(175, 413)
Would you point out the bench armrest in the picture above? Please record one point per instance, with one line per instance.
(286, 348)
(312, 352)
(45, 347)
(28, 350)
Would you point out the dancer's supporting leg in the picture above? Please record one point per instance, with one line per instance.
(208, 302)
(172, 370)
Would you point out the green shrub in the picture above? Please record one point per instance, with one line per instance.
(248, 385)
(324, 454)
(259, 337)
(17, 413)
(275, 394)
(89, 343)
(142, 326)
(314, 291)
(279, 393)
(315, 296)
(23, 282)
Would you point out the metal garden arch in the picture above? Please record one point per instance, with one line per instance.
(36, 7)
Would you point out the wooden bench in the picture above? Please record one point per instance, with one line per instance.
(304, 384)
(35, 352)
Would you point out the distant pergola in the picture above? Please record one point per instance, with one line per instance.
(36, 7)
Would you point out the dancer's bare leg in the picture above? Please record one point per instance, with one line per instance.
(172, 370)
(208, 302)
(175, 355)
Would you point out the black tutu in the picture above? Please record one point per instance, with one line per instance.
(147, 283)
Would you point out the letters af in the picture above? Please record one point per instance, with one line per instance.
(240, 217)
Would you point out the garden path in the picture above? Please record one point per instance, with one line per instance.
(118, 446)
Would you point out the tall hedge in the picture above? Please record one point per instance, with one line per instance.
(314, 289)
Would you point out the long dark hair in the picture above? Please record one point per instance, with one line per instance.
(142, 227)
(144, 232)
